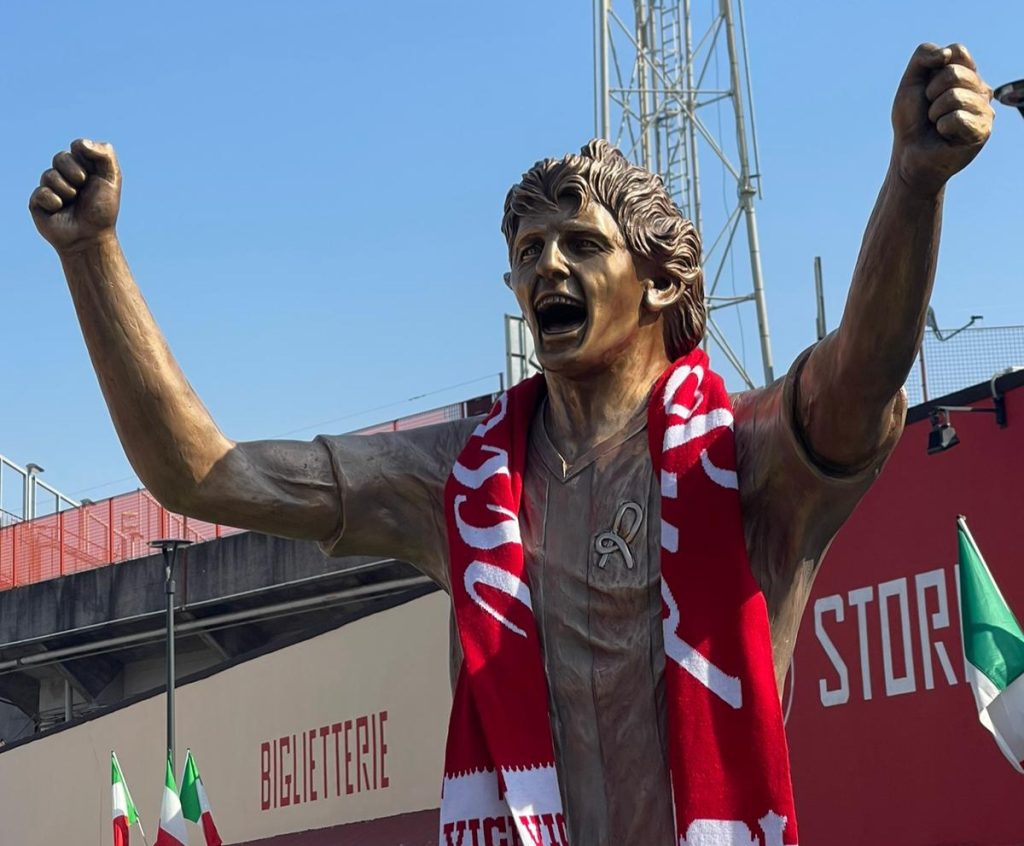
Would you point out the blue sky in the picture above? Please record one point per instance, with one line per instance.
(313, 193)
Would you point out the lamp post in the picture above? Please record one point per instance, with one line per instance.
(169, 547)
(1011, 94)
(32, 470)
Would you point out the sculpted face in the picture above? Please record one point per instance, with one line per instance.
(580, 289)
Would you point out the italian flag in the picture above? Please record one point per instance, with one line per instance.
(194, 804)
(994, 651)
(172, 823)
(123, 808)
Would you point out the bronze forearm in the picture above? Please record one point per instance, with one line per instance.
(284, 487)
(892, 284)
(848, 388)
(169, 437)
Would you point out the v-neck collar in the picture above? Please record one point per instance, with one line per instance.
(552, 459)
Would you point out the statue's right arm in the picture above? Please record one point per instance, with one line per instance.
(287, 488)
(280, 487)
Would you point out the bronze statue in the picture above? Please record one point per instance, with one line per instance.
(607, 274)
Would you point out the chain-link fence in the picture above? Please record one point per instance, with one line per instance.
(965, 358)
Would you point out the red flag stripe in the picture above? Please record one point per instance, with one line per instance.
(120, 831)
(210, 830)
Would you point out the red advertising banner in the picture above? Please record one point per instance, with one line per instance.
(884, 733)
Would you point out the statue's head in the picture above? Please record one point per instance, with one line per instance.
(599, 257)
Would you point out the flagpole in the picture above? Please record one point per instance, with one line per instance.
(169, 547)
(128, 795)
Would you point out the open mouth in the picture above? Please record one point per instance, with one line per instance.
(558, 314)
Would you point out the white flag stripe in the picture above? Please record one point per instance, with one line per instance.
(1007, 713)
(171, 819)
(204, 803)
(120, 800)
(999, 711)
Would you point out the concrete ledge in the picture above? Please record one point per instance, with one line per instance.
(239, 569)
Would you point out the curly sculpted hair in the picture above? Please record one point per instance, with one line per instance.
(653, 228)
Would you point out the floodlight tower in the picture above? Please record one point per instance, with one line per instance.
(672, 91)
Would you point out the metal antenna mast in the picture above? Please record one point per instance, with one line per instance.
(672, 91)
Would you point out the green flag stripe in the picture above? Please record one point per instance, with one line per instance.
(169, 781)
(993, 640)
(117, 777)
(189, 793)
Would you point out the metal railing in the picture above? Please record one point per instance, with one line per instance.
(92, 535)
(27, 490)
(82, 536)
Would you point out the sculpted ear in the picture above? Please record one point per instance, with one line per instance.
(662, 293)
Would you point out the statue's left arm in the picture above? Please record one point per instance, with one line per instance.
(849, 387)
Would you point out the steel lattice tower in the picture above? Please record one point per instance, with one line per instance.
(672, 91)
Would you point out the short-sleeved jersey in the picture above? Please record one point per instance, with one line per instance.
(598, 611)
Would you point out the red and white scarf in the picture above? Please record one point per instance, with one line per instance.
(727, 747)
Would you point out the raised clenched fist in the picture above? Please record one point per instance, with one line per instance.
(941, 116)
(77, 200)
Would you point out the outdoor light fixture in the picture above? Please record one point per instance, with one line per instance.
(932, 322)
(1011, 94)
(943, 436)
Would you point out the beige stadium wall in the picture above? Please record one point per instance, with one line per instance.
(379, 684)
